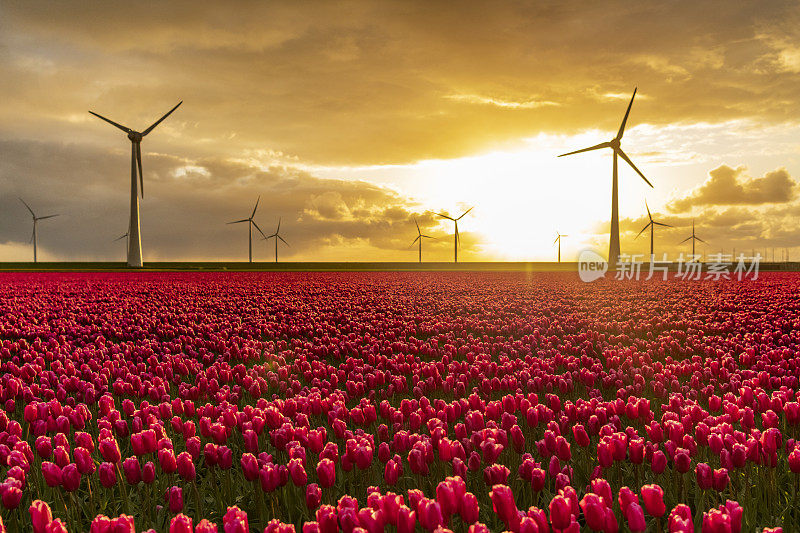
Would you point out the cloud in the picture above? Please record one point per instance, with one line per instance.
(365, 82)
(508, 104)
(188, 203)
(732, 186)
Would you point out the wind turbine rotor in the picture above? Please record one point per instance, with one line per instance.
(157, 122)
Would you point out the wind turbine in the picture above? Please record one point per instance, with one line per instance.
(652, 224)
(694, 238)
(250, 228)
(419, 238)
(558, 239)
(134, 237)
(277, 236)
(456, 238)
(123, 236)
(614, 144)
(34, 235)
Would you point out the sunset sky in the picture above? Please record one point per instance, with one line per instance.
(352, 118)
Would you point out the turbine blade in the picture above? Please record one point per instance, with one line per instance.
(157, 122)
(427, 236)
(48, 216)
(29, 207)
(701, 240)
(138, 148)
(465, 212)
(256, 207)
(120, 126)
(415, 240)
(624, 120)
(32, 234)
(256, 225)
(627, 160)
(120, 237)
(595, 147)
(686, 239)
(279, 226)
(644, 228)
(239, 221)
(284, 242)
(445, 216)
(648, 211)
(417, 223)
(556, 240)
(662, 224)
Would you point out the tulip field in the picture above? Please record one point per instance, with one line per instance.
(325, 402)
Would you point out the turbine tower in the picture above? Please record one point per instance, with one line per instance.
(419, 238)
(134, 237)
(558, 240)
(694, 238)
(276, 236)
(456, 237)
(250, 228)
(35, 234)
(614, 144)
(652, 224)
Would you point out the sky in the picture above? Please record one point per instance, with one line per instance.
(352, 119)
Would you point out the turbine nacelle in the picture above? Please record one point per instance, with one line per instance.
(135, 136)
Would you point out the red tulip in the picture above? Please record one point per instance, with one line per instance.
(704, 476)
(560, 512)
(40, 516)
(70, 478)
(174, 499)
(326, 473)
(235, 521)
(180, 524)
(653, 497)
(52, 474)
(313, 496)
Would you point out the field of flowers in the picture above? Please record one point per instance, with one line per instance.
(188, 402)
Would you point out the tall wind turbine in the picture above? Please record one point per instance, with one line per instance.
(652, 224)
(694, 238)
(134, 237)
(419, 238)
(456, 237)
(614, 144)
(276, 236)
(558, 239)
(34, 235)
(250, 225)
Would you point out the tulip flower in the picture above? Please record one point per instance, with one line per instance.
(174, 499)
(181, 524)
(653, 497)
(40, 516)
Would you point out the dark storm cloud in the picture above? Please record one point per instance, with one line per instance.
(732, 186)
(188, 202)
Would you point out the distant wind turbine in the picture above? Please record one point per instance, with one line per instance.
(614, 144)
(419, 238)
(694, 238)
(558, 239)
(134, 239)
(276, 236)
(250, 225)
(456, 237)
(123, 236)
(34, 235)
(652, 224)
